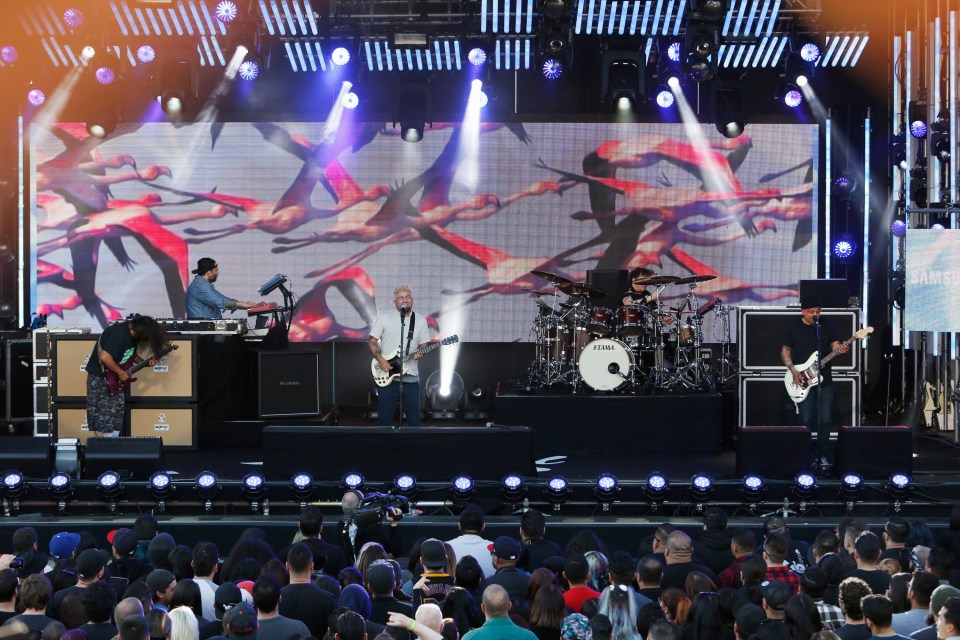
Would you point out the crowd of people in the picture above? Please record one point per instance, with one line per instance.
(849, 583)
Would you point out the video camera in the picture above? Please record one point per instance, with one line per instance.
(374, 506)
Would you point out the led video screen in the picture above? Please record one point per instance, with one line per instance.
(462, 217)
(933, 273)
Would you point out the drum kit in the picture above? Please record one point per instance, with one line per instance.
(643, 346)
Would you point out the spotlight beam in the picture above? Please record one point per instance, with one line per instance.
(711, 172)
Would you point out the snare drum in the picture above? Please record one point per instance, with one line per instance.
(600, 321)
(632, 320)
(686, 334)
(605, 364)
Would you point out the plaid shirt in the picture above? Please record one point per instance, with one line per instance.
(730, 577)
(830, 616)
(786, 575)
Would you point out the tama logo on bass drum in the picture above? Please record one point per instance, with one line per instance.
(603, 347)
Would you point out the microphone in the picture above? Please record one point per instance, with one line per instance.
(816, 319)
(403, 310)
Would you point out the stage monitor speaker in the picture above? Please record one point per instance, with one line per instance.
(70, 356)
(874, 452)
(613, 281)
(30, 456)
(138, 458)
(773, 452)
(289, 383)
(764, 400)
(173, 378)
(760, 335)
(174, 424)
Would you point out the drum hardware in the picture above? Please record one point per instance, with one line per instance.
(553, 278)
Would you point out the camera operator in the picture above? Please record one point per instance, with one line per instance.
(361, 522)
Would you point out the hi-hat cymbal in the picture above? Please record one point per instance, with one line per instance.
(552, 277)
(582, 289)
(657, 280)
(692, 279)
(535, 292)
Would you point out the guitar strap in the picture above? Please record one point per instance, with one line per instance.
(413, 322)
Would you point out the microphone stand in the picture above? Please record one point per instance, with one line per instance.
(821, 455)
(403, 322)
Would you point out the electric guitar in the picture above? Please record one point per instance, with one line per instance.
(115, 386)
(811, 369)
(399, 365)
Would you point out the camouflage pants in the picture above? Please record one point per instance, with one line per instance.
(104, 411)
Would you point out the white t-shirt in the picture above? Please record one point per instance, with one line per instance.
(386, 329)
(474, 545)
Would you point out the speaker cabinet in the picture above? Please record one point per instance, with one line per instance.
(17, 371)
(70, 421)
(174, 424)
(774, 452)
(173, 378)
(30, 456)
(760, 335)
(874, 452)
(289, 383)
(764, 401)
(70, 356)
(136, 457)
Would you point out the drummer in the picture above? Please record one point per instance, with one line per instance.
(636, 277)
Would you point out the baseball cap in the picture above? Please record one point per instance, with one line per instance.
(380, 577)
(776, 593)
(226, 597)
(125, 541)
(240, 621)
(776, 524)
(204, 265)
(433, 554)
(749, 619)
(940, 595)
(90, 562)
(505, 548)
(62, 544)
(159, 580)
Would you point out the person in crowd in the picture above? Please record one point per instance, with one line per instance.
(266, 598)
(679, 562)
(922, 586)
(775, 549)
(617, 604)
(498, 625)
(470, 542)
(649, 574)
(704, 621)
(9, 590)
(534, 547)
(776, 594)
(35, 592)
(505, 552)
(675, 605)
(99, 600)
(742, 544)
(948, 619)
(866, 553)
(547, 612)
(813, 583)
(577, 573)
(802, 617)
(161, 583)
(895, 534)
(748, 620)
(713, 545)
(937, 599)
(183, 624)
(852, 592)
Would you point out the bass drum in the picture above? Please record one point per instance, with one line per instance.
(605, 364)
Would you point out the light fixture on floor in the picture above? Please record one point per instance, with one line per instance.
(558, 492)
(462, 490)
(207, 487)
(160, 487)
(655, 490)
(513, 489)
(898, 486)
(701, 490)
(254, 490)
(752, 491)
(851, 486)
(110, 488)
(61, 489)
(804, 486)
(443, 401)
(301, 486)
(606, 489)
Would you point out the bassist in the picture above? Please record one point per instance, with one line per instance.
(385, 338)
(799, 342)
(118, 345)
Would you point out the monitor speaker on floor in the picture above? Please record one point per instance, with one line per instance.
(874, 452)
(773, 452)
(138, 458)
(28, 455)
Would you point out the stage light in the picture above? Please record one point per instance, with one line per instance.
(172, 103)
(701, 489)
(937, 227)
(918, 184)
(14, 485)
(622, 79)
(665, 99)
(301, 486)
(477, 56)
(605, 489)
(443, 404)
(404, 485)
(712, 10)
(61, 489)
(844, 248)
(730, 117)
(674, 51)
(340, 56)
(558, 492)
(851, 486)
(810, 52)
(655, 489)
(352, 480)
(160, 487)
(9, 54)
(226, 11)
(552, 69)
(898, 228)
(843, 186)
(73, 18)
(898, 486)
(207, 487)
(103, 126)
(793, 98)
(804, 486)
(412, 134)
(110, 488)
(700, 69)
(88, 52)
(105, 75)
(462, 489)
(513, 489)
(673, 81)
(918, 129)
(797, 71)
(146, 53)
(477, 404)
(249, 70)
(411, 110)
(254, 489)
(752, 490)
(36, 97)
(350, 100)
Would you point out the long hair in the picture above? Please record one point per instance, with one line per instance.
(676, 605)
(801, 617)
(617, 603)
(147, 331)
(183, 624)
(548, 609)
(704, 618)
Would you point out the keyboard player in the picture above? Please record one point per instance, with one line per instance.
(203, 299)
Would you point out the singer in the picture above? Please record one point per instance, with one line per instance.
(399, 332)
(809, 336)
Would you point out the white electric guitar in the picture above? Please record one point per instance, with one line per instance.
(811, 369)
(398, 365)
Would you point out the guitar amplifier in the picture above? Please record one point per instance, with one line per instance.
(71, 352)
(764, 401)
(288, 383)
(760, 333)
(173, 378)
(174, 424)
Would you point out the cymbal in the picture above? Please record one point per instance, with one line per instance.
(582, 289)
(535, 292)
(657, 280)
(552, 277)
(637, 294)
(692, 279)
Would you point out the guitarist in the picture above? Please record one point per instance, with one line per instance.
(799, 342)
(118, 345)
(385, 339)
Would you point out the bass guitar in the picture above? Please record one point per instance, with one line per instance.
(398, 365)
(115, 386)
(811, 369)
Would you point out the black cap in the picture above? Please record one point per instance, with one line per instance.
(204, 265)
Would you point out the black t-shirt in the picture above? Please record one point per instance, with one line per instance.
(802, 340)
(103, 631)
(309, 604)
(534, 552)
(853, 632)
(6, 615)
(34, 621)
(115, 340)
(53, 607)
(878, 579)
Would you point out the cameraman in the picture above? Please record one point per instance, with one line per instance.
(366, 514)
